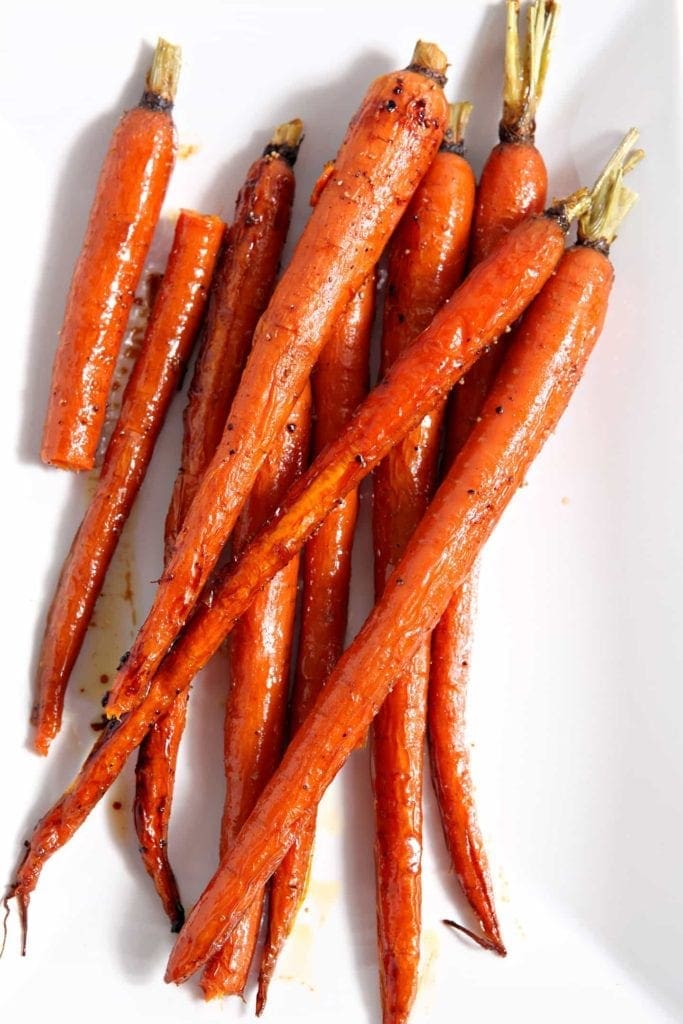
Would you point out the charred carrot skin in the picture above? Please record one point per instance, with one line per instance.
(339, 384)
(389, 146)
(255, 715)
(242, 285)
(426, 260)
(128, 198)
(513, 186)
(539, 375)
(492, 297)
(168, 341)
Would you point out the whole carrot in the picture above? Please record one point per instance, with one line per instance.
(426, 260)
(389, 146)
(490, 299)
(240, 291)
(513, 185)
(339, 383)
(168, 341)
(533, 387)
(125, 210)
(255, 714)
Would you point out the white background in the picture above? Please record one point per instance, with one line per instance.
(576, 695)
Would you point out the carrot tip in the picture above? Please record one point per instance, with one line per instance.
(163, 75)
(485, 941)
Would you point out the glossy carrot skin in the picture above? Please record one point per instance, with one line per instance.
(426, 260)
(255, 715)
(168, 341)
(389, 145)
(492, 297)
(530, 394)
(339, 384)
(512, 187)
(449, 752)
(241, 288)
(130, 190)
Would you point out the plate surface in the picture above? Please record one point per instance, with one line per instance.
(576, 700)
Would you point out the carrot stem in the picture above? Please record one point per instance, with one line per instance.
(526, 68)
(162, 77)
(611, 200)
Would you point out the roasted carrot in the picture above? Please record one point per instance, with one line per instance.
(242, 286)
(514, 181)
(168, 341)
(389, 146)
(426, 260)
(255, 715)
(339, 384)
(130, 190)
(491, 298)
(513, 185)
(532, 390)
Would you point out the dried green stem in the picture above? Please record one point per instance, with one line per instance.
(526, 67)
(286, 140)
(163, 75)
(610, 199)
(458, 118)
(429, 59)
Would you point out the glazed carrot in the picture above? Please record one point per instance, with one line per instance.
(513, 185)
(168, 341)
(426, 260)
(533, 387)
(255, 715)
(125, 210)
(388, 147)
(242, 285)
(339, 384)
(514, 181)
(490, 299)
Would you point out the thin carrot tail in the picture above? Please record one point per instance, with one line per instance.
(288, 891)
(482, 940)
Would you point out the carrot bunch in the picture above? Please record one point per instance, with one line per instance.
(487, 324)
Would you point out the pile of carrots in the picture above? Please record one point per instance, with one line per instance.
(487, 321)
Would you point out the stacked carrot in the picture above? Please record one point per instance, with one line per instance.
(400, 182)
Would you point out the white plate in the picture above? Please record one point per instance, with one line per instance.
(576, 698)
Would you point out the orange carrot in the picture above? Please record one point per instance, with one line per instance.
(125, 210)
(389, 146)
(426, 261)
(255, 715)
(168, 341)
(490, 299)
(533, 387)
(339, 383)
(242, 286)
(513, 185)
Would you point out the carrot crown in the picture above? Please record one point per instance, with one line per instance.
(458, 118)
(161, 83)
(610, 199)
(429, 60)
(525, 68)
(286, 140)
